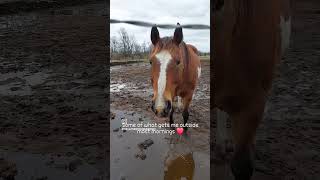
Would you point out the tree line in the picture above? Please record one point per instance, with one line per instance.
(125, 46)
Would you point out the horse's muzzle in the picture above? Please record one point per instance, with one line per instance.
(162, 111)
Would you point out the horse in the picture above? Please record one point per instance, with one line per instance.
(175, 71)
(249, 40)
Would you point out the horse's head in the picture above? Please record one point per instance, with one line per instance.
(166, 64)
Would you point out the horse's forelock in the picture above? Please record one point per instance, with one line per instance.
(166, 43)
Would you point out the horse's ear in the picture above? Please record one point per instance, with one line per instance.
(178, 35)
(154, 35)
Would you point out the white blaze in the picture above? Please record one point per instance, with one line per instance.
(164, 58)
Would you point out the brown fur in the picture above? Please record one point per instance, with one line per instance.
(181, 73)
(182, 78)
(247, 47)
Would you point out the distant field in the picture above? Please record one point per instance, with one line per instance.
(205, 58)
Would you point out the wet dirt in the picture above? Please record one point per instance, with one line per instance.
(48, 166)
(52, 78)
(156, 155)
(21, 6)
(52, 92)
(287, 142)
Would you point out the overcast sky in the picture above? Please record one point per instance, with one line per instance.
(163, 11)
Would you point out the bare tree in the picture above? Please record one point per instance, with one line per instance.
(124, 42)
(113, 44)
(125, 46)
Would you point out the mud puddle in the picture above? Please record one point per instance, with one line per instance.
(160, 155)
(36, 166)
(136, 89)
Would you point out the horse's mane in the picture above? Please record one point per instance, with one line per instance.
(194, 49)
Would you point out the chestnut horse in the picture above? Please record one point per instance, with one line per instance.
(249, 39)
(175, 70)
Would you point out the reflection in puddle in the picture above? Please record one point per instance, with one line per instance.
(179, 162)
(167, 157)
(180, 168)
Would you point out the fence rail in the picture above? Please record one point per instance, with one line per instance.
(164, 26)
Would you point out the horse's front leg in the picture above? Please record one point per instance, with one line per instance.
(185, 113)
(221, 134)
(171, 116)
(244, 126)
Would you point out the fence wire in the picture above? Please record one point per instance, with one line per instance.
(164, 26)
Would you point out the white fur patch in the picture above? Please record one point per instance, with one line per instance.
(177, 103)
(285, 33)
(199, 72)
(164, 58)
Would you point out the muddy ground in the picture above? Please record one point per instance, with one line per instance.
(131, 95)
(53, 111)
(288, 139)
(22, 6)
(53, 118)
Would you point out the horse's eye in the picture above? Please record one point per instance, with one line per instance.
(178, 62)
(150, 61)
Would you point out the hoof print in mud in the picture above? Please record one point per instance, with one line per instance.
(145, 144)
(141, 155)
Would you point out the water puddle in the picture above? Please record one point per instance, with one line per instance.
(154, 156)
(144, 90)
(37, 166)
(116, 87)
(135, 89)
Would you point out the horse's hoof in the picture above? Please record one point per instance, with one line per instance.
(185, 129)
(242, 165)
(222, 152)
(219, 153)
